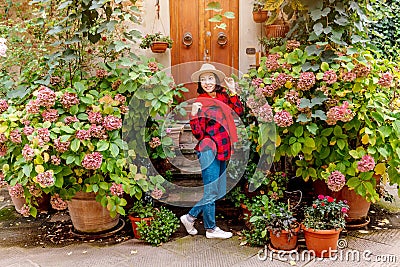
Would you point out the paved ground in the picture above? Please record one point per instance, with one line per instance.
(49, 241)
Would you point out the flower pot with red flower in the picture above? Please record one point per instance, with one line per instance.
(322, 224)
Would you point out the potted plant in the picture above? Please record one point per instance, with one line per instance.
(322, 224)
(282, 226)
(141, 212)
(157, 42)
(268, 43)
(160, 228)
(259, 13)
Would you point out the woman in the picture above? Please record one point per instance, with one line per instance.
(213, 125)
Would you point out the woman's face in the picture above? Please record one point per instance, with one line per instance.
(208, 81)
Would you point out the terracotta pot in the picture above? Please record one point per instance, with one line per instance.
(282, 242)
(276, 30)
(260, 16)
(88, 215)
(159, 47)
(18, 203)
(134, 220)
(322, 242)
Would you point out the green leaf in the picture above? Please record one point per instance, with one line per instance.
(27, 169)
(298, 131)
(309, 142)
(102, 145)
(353, 182)
(303, 118)
(318, 28)
(324, 66)
(319, 114)
(70, 159)
(296, 148)
(114, 150)
(337, 130)
(312, 128)
(75, 145)
(341, 144)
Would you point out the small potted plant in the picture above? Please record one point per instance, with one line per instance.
(160, 228)
(322, 224)
(282, 226)
(157, 42)
(141, 212)
(259, 13)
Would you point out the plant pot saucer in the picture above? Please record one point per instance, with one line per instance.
(115, 229)
(284, 252)
(358, 224)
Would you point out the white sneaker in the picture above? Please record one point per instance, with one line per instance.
(218, 233)
(188, 225)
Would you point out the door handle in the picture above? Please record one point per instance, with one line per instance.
(222, 39)
(187, 39)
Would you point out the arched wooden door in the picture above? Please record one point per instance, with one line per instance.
(197, 39)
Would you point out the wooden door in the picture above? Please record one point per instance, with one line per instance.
(190, 17)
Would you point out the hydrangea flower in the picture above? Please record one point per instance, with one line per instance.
(46, 97)
(336, 181)
(16, 191)
(57, 203)
(306, 81)
(330, 77)
(95, 117)
(69, 99)
(283, 118)
(92, 161)
(45, 179)
(61, 146)
(15, 136)
(50, 115)
(386, 80)
(116, 189)
(367, 163)
(28, 153)
(111, 123)
(3, 105)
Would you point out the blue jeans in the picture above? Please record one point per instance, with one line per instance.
(214, 179)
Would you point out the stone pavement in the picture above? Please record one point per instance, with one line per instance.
(44, 242)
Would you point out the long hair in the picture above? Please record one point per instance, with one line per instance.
(218, 87)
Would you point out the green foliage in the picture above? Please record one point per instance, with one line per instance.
(385, 30)
(337, 22)
(306, 128)
(164, 224)
(142, 210)
(256, 235)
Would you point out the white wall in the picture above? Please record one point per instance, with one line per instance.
(248, 30)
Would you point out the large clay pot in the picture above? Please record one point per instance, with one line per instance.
(134, 220)
(283, 242)
(260, 16)
(88, 216)
(322, 242)
(159, 47)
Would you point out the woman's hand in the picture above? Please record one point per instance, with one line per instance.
(231, 85)
(196, 106)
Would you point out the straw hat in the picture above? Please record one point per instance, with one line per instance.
(206, 67)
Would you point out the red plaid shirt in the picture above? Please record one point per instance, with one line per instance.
(208, 128)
